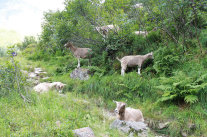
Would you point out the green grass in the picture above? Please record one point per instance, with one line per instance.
(39, 118)
(48, 108)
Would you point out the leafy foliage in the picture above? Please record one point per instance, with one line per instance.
(182, 88)
(166, 59)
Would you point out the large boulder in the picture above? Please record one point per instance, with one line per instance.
(131, 127)
(84, 132)
(80, 73)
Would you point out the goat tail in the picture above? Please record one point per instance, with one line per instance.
(118, 59)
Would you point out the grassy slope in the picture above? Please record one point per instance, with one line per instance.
(180, 115)
(39, 118)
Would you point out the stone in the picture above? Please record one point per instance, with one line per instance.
(84, 132)
(39, 71)
(184, 134)
(58, 123)
(32, 75)
(80, 73)
(45, 78)
(131, 127)
(163, 125)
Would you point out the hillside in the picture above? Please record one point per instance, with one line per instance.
(150, 54)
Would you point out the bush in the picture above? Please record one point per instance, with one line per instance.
(182, 88)
(11, 79)
(26, 42)
(166, 59)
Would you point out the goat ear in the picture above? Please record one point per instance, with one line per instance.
(123, 105)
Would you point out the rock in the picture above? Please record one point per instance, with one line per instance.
(80, 73)
(163, 125)
(184, 134)
(32, 75)
(45, 78)
(24, 72)
(39, 71)
(58, 123)
(131, 127)
(84, 132)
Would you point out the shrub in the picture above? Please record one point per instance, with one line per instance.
(26, 42)
(181, 88)
(165, 60)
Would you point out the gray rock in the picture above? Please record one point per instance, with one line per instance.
(45, 78)
(80, 73)
(131, 127)
(184, 134)
(58, 123)
(84, 132)
(163, 125)
(32, 75)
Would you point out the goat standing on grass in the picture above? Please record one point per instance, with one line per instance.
(79, 52)
(134, 60)
(128, 114)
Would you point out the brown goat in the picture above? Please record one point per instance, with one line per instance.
(79, 52)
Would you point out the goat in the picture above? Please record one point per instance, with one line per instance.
(134, 60)
(128, 114)
(138, 5)
(45, 87)
(79, 52)
(103, 30)
(143, 33)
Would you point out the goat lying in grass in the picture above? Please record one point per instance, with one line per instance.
(103, 30)
(45, 87)
(134, 60)
(79, 52)
(128, 114)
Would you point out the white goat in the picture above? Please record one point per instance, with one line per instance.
(45, 87)
(143, 33)
(134, 60)
(79, 52)
(138, 5)
(128, 114)
(103, 30)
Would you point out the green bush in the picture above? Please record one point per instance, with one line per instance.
(166, 59)
(182, 88)
(26, 42)
(11, 79)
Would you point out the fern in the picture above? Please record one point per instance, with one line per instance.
(191, 99)
(182, 87)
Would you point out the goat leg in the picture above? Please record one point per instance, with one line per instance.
(122, 72)
(139, 69)
(78, 63)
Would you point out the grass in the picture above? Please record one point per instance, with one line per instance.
(39, 118)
